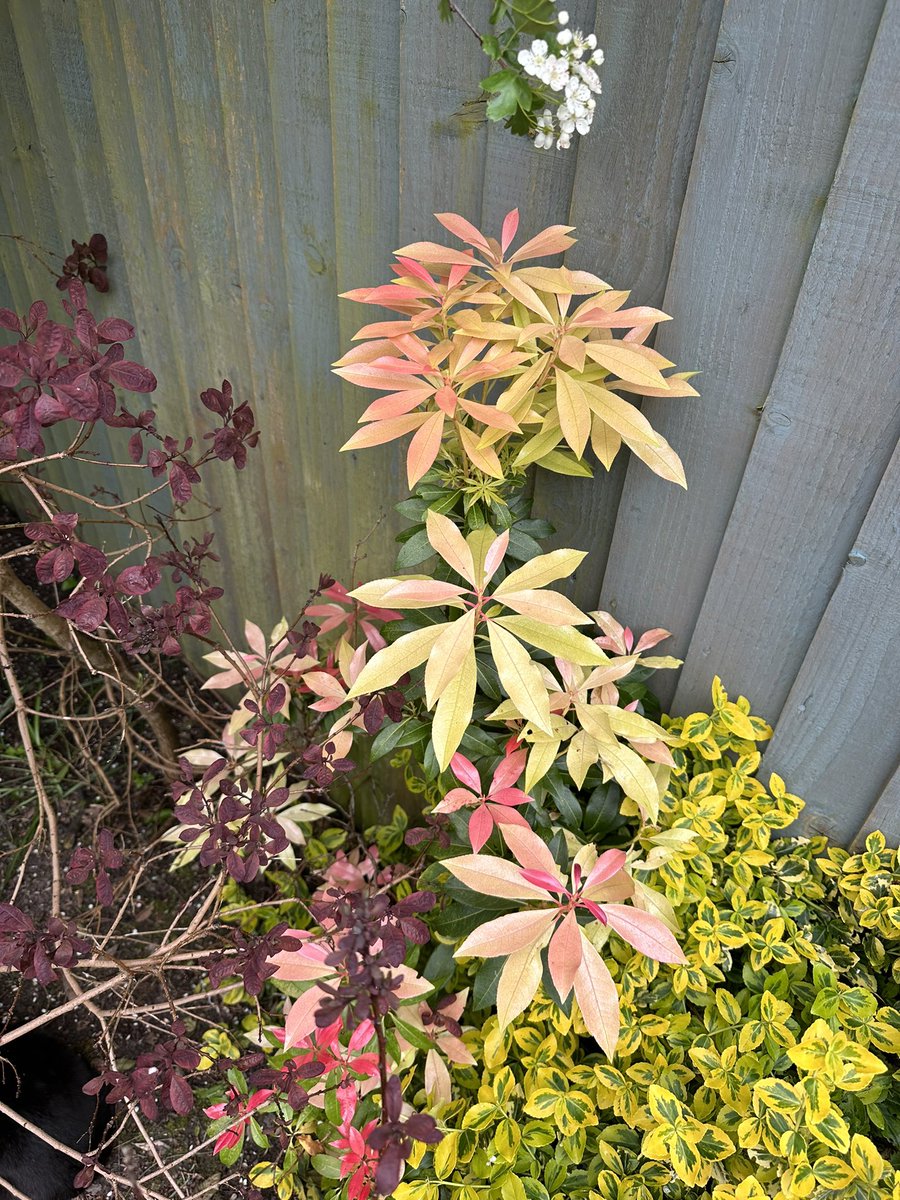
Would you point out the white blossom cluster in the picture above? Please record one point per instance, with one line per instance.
(572, 72)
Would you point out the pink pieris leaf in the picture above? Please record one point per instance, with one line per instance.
(384, 431)
(532, 852)
(608, 864)
(657, 752)
(481, 823)
(368, 375)
(624, 318)
(508, 771)
(463, 229)
(507, 934)
(645, 932)
(504, 815)
(542, 879)
(431, 252)
(493, 877)
(465, 772)
(450, 544)
(508, 231)
(424, 447)
(409, 593)
(597, 998)
(438, 1085)
(456, 799)
(396, 404)
(411, 267)
(553, 240)
(458, 272)
(651, 638)
(489, 414)
(495, 555)
(564, 955)
(301, 1020)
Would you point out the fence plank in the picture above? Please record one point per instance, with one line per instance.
(837, 738)
(363, 55)
(830, 424)
(885, 814)
(630, 180)
(777, 107)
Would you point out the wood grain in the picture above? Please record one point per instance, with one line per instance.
(777, 107)
(839, 722)
(830, 424)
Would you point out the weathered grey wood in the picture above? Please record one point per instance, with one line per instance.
(630, 181)
(831, 422)
(777, 107)
(363, 56)
(839, 723)
(885, 814)
(442, 128)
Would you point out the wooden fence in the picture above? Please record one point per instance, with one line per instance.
(249, 159)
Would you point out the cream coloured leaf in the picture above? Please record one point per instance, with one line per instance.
(508, 934)
(453, 713)
(520, 676)
(448, 656)
(605, 442)
(625, 362)
(407, 653)
(660, 458)
(574, 413)
(633, 776)
(518, 983)
(549, 608)
(560, 641)
(597, 998)
(540, 571)
(449, 543)
(493, 877)
(581, 754)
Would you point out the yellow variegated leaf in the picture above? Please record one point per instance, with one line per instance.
(832, 1173)
(454, 711)
(447, 656)
(865, 1160)
(560, 641)
(520, 676)
(407, 653)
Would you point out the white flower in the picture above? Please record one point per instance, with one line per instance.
(588, 77)
(566, 119)
(563, 17)
(544, 132)
(563, 142)
(556, 73)
(597, 57)
(591, 41)
(564, 37)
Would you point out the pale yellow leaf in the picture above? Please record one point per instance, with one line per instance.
(450, 544)
(541, 758)
(485, 459)
(582, 753)
(574, 413)
(633, 776)
(454, 711)
(625, 362)
(448, 655)
(605, 442)
(540, 571)
(561, 641)
(550, 608)
(407, 653)
(518, 983)
(660, 458)
(623, 417)
(520, 677)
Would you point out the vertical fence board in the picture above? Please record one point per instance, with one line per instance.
(779, 100)
(839, 722)
(628, 190)
(830, 424)
(301, 115)
(363, 56)
(885, 813)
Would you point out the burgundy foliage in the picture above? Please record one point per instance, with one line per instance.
(87, 262)
(156, 1082)
(36, 952)
(250, 961)
(98, 862)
